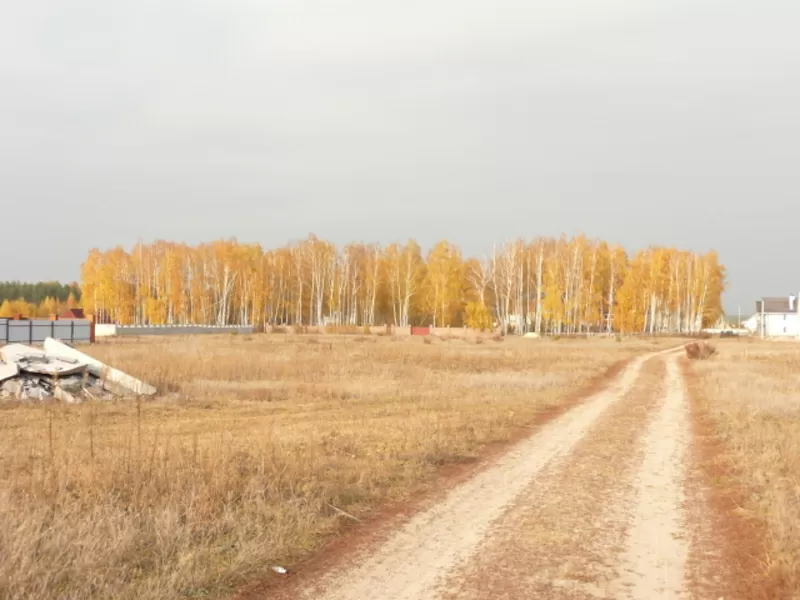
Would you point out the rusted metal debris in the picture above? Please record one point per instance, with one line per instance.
(62, 373)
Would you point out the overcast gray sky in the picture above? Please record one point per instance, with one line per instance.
(643, 122)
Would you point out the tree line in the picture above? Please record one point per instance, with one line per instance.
(39, 299)
(36, 293)
(544, 285)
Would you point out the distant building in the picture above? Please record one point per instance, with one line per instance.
(72, 313)
(775, 317)
(751, 323)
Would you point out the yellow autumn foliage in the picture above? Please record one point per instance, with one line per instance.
(556, 285)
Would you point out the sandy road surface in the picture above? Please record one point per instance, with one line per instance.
(657, 549)
(590, 506)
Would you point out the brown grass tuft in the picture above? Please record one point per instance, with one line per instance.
(699, 351)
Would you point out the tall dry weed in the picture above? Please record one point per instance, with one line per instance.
(752, 393)
(237, 465)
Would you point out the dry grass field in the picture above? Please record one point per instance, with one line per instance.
(750, 392)
(238, 464)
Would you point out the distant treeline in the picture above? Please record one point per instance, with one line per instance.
(36, 293)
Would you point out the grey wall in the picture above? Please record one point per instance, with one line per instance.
(179, 329)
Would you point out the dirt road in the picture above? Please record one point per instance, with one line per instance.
(590, 506)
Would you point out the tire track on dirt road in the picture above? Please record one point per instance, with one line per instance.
(564, 536)
(414, 561)
(654, 564)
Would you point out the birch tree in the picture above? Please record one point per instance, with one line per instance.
(553, 285)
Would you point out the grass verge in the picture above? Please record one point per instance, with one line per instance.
(746, 409)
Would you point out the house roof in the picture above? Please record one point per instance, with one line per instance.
(73, 313)
(775, 305)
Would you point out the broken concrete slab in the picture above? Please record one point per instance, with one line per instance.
(72, 383)
(99, 369)
(11, 388)
(8, 370)
(33, 360)
(63, 373)
(34, 389)
(64, 396)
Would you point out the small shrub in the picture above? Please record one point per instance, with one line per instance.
(478, 316)
(427, 340)
(699, 351)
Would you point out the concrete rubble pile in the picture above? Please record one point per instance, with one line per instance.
(60, 371)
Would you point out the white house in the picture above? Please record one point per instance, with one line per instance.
(751, 324)
(776, 317)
